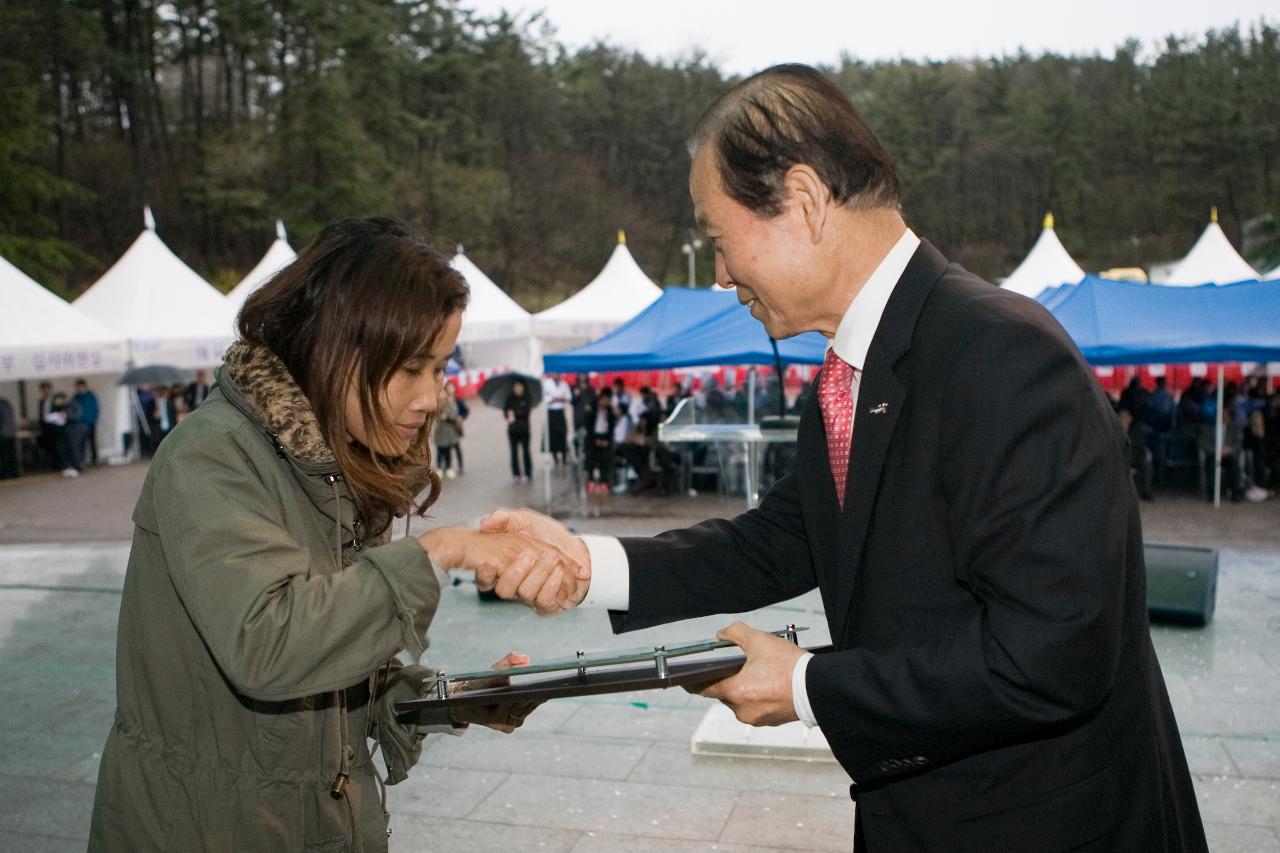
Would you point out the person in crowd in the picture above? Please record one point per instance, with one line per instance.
(1256, 388)
(621, 396)
(1262, 462)
(178, 397)
(1160, 416)
(1233, 479)
(8, 440)
(51, 425)
(623, 424)
(960, 497)
(198, 391)
(164, 415)
(90, 414)
(1140, 456)
(1191, 401)
(72, 439)
(448, 430)
(517, 410)
(1134, 398)
(144, 420)
(633, 450)
(584, 404)
(464, 412)
(720, 409)
(559, 399)
(598, 458)
(654, 463)
(1271, 443)
(264, 604)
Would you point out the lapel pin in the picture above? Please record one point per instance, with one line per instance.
(880, 409)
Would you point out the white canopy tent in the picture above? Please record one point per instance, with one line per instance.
(1047, 264)
(1212, 260)
(618, 293)
(166, 312)
(279, 255)
(43, 338)
(1274, 275)
(496, 331)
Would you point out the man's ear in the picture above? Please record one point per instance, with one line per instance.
(810, 197)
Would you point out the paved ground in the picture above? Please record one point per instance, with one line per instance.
(601, 774)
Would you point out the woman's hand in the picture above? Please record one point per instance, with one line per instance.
(512, 564)
(503, 718)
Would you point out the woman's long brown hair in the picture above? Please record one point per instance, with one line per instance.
(365, 298)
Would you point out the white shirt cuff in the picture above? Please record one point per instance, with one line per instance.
(800, 691)
(610, 587)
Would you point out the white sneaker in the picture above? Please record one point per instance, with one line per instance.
(450, 474)
(1256, 494)
(70, 472)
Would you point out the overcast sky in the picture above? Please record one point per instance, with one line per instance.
(748, 35)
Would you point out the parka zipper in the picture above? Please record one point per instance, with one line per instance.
(338, 790)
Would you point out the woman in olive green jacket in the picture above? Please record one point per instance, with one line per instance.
(263, 606)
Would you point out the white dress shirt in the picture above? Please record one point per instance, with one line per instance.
(557, 393)
(611, 575)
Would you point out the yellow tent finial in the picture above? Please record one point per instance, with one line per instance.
(622, 237)
(1048, 220)
(1213, 213)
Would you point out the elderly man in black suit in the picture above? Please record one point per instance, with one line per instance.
(960, 496)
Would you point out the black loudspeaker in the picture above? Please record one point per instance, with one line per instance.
(1182, 584)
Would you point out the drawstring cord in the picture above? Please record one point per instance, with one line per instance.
(374, 730)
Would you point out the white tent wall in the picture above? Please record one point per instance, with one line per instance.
(523, 355)
(279, 255)
(41, 335)
(496, 331)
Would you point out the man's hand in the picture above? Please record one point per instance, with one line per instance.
(514, 565)
(551, 532)
(502, 718)
(760, 693)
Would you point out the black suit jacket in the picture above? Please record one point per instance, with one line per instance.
(993, 684)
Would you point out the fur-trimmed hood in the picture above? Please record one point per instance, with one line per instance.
(266, 384)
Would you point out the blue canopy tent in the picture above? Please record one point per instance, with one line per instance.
(1120, 322)
(686, 328)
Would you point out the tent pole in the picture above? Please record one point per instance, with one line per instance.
(1217, 446)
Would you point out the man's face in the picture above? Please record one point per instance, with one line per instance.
(765, 260)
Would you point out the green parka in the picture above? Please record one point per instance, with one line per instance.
(254, 625)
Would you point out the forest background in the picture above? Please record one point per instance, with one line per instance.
(224, 115)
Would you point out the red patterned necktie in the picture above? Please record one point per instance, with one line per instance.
(835, 395)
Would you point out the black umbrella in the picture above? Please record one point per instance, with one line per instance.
(496, 389)
(153, 374)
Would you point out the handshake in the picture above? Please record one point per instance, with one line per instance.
(519, 554)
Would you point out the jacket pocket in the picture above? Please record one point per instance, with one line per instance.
(284, 732)
(1068, 818)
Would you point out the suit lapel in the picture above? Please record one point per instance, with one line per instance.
(818, 493)
(881, 396)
